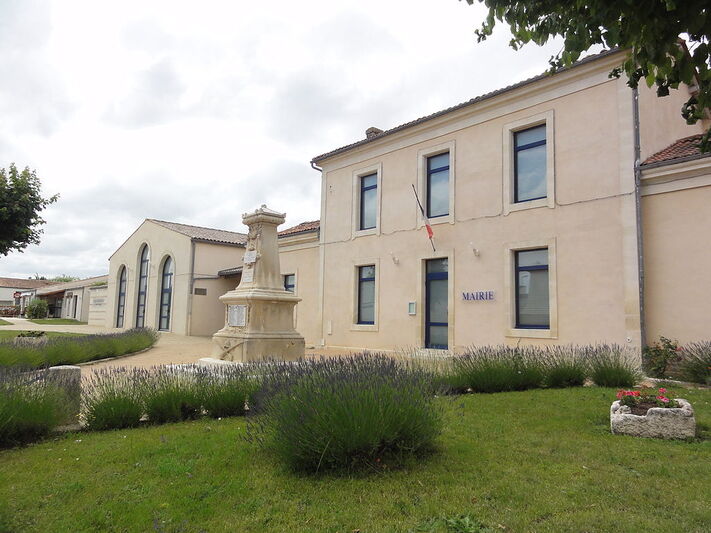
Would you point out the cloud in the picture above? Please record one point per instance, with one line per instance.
(154, 99)
(32, 94)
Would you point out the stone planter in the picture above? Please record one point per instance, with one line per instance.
(659, 422)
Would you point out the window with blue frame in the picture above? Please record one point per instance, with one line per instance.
(368, 201)
(532, 297)
(166, 294)
(289, 282)
(437, 304)
(142, 287)
(530, 164)
(366, 294)
(121, 304)
(438, 185)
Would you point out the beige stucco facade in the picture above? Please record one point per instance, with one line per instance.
(676, 214)
(587, 221)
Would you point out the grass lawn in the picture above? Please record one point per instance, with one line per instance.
(4, 322)
(58, 321)
(9, 334)
(541, 460)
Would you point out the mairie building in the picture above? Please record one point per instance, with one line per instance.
(566, 208)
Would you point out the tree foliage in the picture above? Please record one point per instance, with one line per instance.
(20, 204)
(668, 40)
(64, 278)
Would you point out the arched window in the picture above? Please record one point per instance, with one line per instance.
(121, 307)
(142, 287)
(166, 293)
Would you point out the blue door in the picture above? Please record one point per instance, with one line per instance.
(436, 304)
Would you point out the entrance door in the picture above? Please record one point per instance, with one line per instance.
(436, 304)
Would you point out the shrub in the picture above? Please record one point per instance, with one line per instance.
(696, 362)
(112, 399)
(72, 350)
(657, 357)
(363, 411)
(496, 369)
(31, 405)
(171, 395)
(564, 367)
(30, 334)
(224, 390)
(611, 366)
(37, 309)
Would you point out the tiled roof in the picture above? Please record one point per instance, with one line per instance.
(304, 227)
(230, 271)
(19, 283)
(76, 284)
(204, 234)
(473, 101)
(683, 148)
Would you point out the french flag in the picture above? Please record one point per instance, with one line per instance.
(430, 233)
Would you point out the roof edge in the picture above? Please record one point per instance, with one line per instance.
(473, 101)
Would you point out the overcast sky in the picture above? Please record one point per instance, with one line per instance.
(197, 112)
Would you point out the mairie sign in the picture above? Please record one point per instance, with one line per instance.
(478, 295)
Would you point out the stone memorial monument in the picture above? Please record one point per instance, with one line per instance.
(259, 313)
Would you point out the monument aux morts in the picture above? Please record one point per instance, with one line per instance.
(259, 315)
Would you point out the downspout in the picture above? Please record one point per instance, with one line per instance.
(322, 255)
(638, 209)
(191, 283)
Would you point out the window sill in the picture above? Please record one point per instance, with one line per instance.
(364, 327)
(532, 333)
(363, 232)
(531, 204)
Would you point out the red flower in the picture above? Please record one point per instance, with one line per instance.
(620, 394)
(663, 399)
(662, 390)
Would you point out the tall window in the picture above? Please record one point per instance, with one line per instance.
(142, 287)
(366, 294)
(368, 201)
(166, 293)
(121, 307)
(530, 164)
(437, 304)
(289, 282)
(532, 299)
(438, 185)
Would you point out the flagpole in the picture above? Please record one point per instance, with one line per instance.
(427, 222)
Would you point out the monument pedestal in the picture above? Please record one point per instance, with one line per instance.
(259, 313)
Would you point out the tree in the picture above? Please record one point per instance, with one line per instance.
(64, 277)
(37, 309)
(668, 40)
(20, 204)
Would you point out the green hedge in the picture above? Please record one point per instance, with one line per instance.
(36, 353)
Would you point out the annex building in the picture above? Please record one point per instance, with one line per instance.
(565, 209)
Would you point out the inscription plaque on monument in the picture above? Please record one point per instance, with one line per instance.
(248, 275)
(237, 315)
(250, 256)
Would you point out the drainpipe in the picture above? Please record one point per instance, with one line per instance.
(191, 283)
(638, 209)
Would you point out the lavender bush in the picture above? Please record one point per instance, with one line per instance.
(497, 369)
(696, 362)
(362, 411)
(112, 399)
(32, 403)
